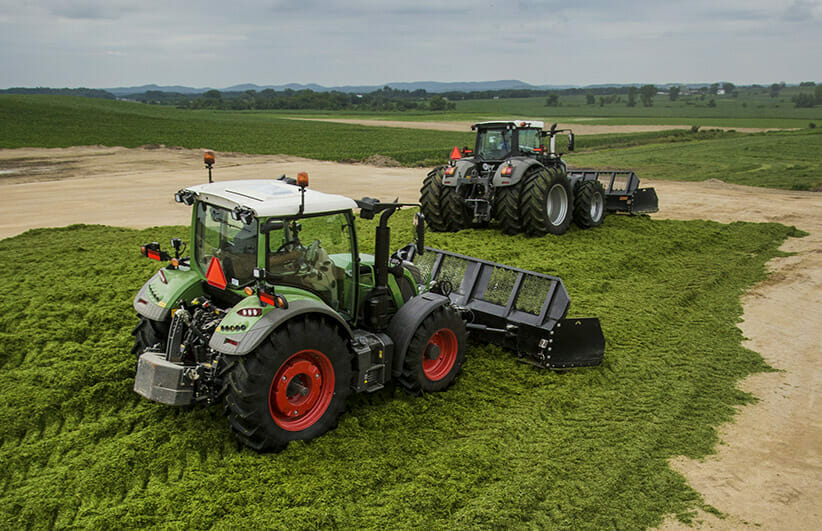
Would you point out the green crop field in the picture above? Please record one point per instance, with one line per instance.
(507, 446)
(789, 160)
(747, 110)
(778, 159)
(60, 121)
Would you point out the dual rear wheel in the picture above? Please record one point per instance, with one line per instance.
(541, 203)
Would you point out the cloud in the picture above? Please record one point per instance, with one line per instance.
(337, 42)
(801, 11)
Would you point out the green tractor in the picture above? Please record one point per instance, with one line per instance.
(277, 315)
(513, 177)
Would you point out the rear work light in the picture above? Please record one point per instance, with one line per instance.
(277, 301)
(152, 250)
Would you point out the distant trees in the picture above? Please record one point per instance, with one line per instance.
(385, 99)
(646, 94)
(803, 99)
(552, 100)
(632, 96)
(775, 88)
(590, 99)
(807, 99)
(673, 93)
(84, 92)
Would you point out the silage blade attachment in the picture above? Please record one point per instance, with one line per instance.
(622, 191)
(516, 309)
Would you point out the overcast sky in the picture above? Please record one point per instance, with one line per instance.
(111, 43)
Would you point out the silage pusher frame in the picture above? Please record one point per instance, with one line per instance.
(516, 309)
(622, 191)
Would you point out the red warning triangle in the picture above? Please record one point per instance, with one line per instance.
(455, 153)
(215, 275)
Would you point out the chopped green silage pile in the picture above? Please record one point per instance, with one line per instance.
(507, 446)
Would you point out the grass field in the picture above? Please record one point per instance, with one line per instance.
(54, 121)
(507, 446)
(748, 110)
(789, 160)
(783, 160)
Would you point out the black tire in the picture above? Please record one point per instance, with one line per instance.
(455, 213)
(546, 202)
(589, 204)
(292, 387)
(436, 353)
(430, 201)
(506, 208)
(148, 333)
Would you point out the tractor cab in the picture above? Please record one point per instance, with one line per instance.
(303, 240)
(498, 141)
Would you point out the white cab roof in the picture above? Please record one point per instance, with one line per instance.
(514, 123)
(269, 197)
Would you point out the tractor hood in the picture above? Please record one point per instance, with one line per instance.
(269, 198)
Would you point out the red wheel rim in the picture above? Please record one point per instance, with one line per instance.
(437, 362)
(301, 390)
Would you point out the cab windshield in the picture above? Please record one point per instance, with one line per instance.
(493, 144)
(232, 242)
(315, 254)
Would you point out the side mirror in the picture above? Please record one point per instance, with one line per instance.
(570, 141)
(419, 224)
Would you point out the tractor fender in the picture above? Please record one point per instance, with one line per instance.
(520, 165)
(162, 291)
(406, 321)
(248, 341)
(463, 167)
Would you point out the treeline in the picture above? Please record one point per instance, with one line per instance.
(387, 99)
(384, 99)
(84, 92)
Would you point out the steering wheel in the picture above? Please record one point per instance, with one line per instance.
(295, 242)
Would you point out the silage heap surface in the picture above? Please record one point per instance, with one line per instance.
(507, 445)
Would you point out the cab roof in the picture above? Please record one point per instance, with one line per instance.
(267, 198)
(516, 124)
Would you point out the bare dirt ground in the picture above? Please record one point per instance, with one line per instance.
(767, 472)
(580, 129)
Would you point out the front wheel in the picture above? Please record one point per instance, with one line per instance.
(291, 387)
(436, 353)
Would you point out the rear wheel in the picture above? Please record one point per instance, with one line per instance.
(436, 353)
(455, 213)
(430, 201)
(506, 208)
(292, 387)
(148, 333)
(546, 202)
(589, 204)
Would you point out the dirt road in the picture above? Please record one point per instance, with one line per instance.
(767, 472)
